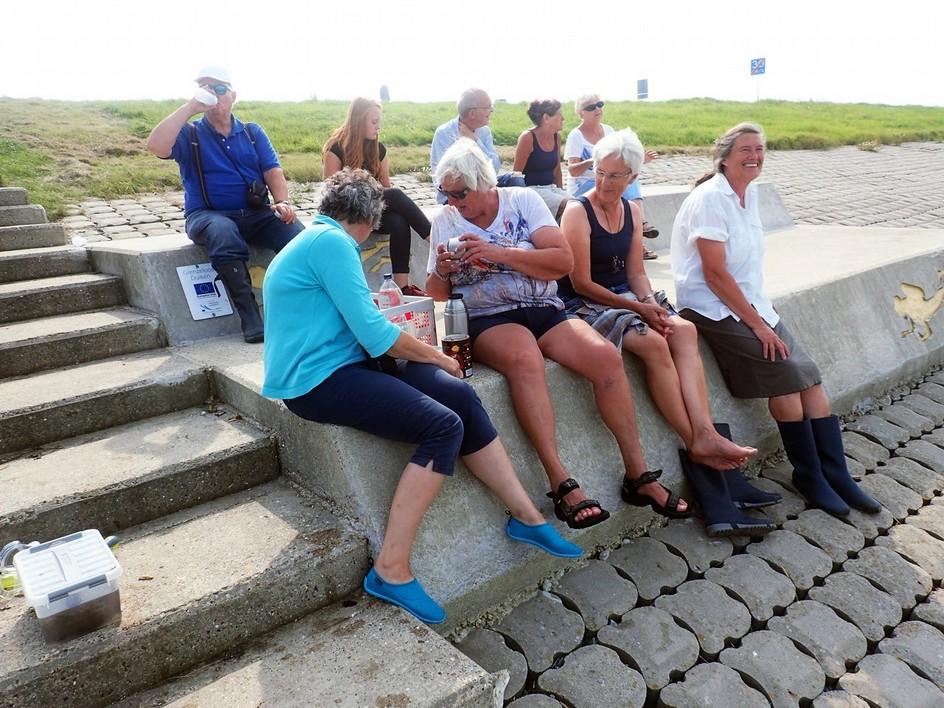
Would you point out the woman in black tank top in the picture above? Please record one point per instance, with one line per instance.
(537, 155)
(608, 288)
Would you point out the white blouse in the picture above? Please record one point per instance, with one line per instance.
(713, 212)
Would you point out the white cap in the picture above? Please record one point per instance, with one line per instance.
(214, 72)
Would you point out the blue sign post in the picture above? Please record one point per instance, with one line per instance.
(642, 89)
(758, 68)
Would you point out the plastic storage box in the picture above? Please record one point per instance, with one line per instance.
(71, 583)
(416, 315)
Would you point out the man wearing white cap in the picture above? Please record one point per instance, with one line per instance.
(228, 168)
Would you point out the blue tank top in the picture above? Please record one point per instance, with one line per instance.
(608, 253)
(539, 169)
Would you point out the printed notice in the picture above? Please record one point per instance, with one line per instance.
(204, 292)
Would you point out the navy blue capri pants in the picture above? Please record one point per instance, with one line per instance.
(409, 402)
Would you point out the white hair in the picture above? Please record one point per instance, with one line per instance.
(623, 144)
(583, 100)
(466, 161)
(468, 99)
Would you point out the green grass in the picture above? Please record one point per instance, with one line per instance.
(63, 152)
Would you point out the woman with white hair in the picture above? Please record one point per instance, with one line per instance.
(329, 356)
(608, 288)
(510, 253)
(579, 154)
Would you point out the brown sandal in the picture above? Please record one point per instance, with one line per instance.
(631, 495)
(568, 512)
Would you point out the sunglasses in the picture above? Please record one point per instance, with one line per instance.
(451, 194)
(593, 106)
(218, 89)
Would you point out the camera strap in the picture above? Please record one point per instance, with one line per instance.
(195, 147)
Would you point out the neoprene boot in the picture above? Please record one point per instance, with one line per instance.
(721, 517)
(743, 494)
(832, 459)
(800, 446)
(235, 276)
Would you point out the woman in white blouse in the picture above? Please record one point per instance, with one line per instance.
(717, 262)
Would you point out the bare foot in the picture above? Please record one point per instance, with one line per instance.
(575, 497)
(393, 572)
(660, 495)
(718, 452)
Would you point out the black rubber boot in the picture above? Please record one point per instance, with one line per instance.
(808, 476)
(743, 494)
(832, 459)
(721, 517)
(235, 277)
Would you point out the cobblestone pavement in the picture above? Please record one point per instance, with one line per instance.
(899, 186)
(834, 612)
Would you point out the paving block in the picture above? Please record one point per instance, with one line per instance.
(934, 391)
(762, 589)
(937, 377)
(832, 641)
(13, 238)
(793, 556)
(838, 699)
(879, 430)
(650, 565)
(65, 340)
(917, 546)
(935, 437)
(856, 600)
(21, 214)
(12, 196)
(598, 593)
(889, 571)
(594, 677)
(790, 507)
(772, 662)
(919, 645)
(888, 682)
(926, 453)
(856, 469)
(489, 650)
(543, 629)
(870, 525)
(864, 450)
(123, 476)
(781, 473)
(837, 538)
(536, 700)
(65, 402)
(192, 588)
(905, 418)
(930, 519)
(707, 610)
(895, 497)
(649, 639)
(360, 653)
(931, 610)
(687, 537)
(924, 406)
(33, 263)
(711, 685)
(913, 475)
(46, 297)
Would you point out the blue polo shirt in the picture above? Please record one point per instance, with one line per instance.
(225, 185)
(319, 314)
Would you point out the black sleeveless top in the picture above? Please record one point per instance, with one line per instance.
(608, 252)
(539, 169)
(336, 149)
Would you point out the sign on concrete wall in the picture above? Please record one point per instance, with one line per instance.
(205, 296)
(758, 66)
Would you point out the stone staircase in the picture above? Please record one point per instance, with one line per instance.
(102, 426)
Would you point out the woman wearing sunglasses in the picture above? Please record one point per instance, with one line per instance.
(356, 144)
(537, 155)
(579, 153)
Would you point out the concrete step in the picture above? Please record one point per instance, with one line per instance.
(361, 653)
(44, 297)
(12, 196)
(31, 236)
(45, 262)
(53, 342)
(22, 214)
(60, 404)
(194, 585)
(116, 478)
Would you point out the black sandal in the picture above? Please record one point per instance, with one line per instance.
(631, 495)
(568, 512)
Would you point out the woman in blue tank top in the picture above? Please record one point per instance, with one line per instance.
(537, 155)
(609, 289)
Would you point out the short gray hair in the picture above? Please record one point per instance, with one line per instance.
(468, 99)
(623, 144)
(466, 161)
(353, 196)
(583, 100)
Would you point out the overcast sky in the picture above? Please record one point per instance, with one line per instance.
(424, 50)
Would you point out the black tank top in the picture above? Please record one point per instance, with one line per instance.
(608, 252)
(539, 169)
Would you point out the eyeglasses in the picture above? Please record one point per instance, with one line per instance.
(218, 89)
(452, 194)
(593, 106)
(602, 174)
(490, 109)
